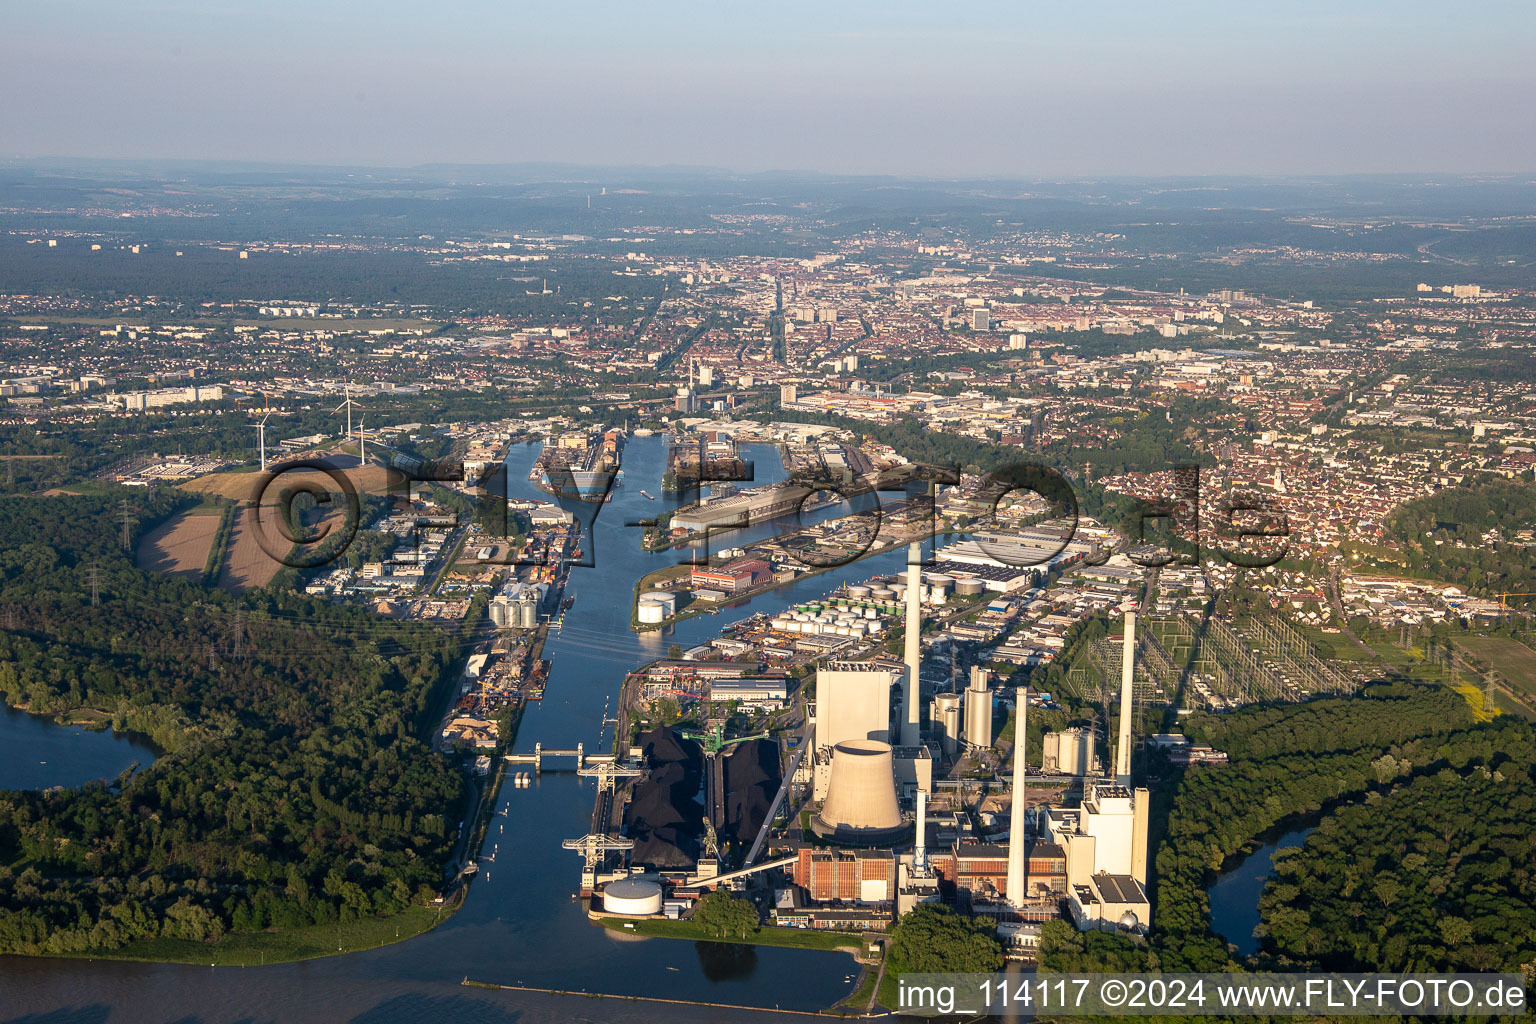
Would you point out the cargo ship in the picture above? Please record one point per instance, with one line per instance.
(580, 466)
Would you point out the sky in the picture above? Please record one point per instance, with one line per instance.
(1010, 89)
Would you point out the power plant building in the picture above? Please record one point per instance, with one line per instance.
(853, 702)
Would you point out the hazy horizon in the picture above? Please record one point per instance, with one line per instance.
(991, 90)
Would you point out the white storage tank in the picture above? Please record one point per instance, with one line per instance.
(654, 608)
(858, 593)
(632, 897)
(969, 587)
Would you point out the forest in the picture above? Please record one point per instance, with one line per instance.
(1447, 535)
(292, 787)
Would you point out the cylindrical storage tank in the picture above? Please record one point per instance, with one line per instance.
(898, 591)
(844, 631)
(871, 613)
(875, 626)
(978, 718)
(969, 587)
(861, 793)
(882, 594)
(632, 897)
(858, 593)
(939, 579)
(946, 720)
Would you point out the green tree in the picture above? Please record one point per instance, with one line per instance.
(932, 938)
(725, 916)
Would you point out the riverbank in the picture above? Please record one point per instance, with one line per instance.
(256, 949)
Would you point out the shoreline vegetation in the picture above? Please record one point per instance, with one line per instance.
(286, 945)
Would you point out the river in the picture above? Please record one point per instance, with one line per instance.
(519, 925)
(1235, 893)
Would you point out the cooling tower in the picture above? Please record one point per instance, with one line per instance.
(861, 796)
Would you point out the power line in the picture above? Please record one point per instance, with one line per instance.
(93, 577)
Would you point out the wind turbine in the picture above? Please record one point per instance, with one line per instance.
(261, 429)
(261, 440)
(346, 404)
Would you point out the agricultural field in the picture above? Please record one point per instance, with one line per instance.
(180, 546)
(1512, 660)
(246, 563)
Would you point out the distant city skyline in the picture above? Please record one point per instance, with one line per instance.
(991, 89)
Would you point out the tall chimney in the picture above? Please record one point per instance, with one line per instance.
(910, 726)
(1127, 674)
(920, 855)
(1014, 882)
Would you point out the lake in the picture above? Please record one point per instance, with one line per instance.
(1235, 893)
(36, 752)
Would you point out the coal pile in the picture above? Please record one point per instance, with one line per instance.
(664, 816)
(751, 781)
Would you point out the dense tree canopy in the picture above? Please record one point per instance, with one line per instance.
(292, 789)
(933, 939)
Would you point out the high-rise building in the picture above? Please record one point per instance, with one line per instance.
(981, 320)
(787, 394)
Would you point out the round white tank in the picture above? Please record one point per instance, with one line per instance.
(871, 613)
(875, 625)
(632, 897)
(968, 587)
(939, 579)
(882, 593)
(858, 593)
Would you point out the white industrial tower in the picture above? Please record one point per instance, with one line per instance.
(1014, 882)
(911, 729)
(1127, 675)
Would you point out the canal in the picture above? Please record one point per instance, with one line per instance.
(519, 924)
